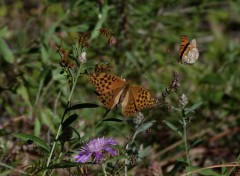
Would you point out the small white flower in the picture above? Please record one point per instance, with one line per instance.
(183, 100)
(82, 57)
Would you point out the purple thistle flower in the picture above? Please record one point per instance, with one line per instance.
(97, 149)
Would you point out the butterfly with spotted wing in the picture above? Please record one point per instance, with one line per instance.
(188, 53)
(113, 90)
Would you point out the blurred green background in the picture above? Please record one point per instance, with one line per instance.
(148, 35)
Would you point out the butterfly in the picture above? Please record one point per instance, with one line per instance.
(188, 53)
(113, 90)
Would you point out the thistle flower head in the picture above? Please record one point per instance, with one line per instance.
(97, 149)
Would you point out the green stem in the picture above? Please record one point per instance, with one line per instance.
(186, 144)
(125, 164)
(132, 138)
(104, 169)
(60, 126)
(57, 162)
(38, 92)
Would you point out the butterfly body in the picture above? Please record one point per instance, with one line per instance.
(188, 53)
(113, 90)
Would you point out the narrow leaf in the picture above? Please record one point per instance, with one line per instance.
(112, 120)
(193, 108)
(208, 172)
(172, 127)
(69, 120)
(100, 22)
(195, 143)
(143, 127)
(6, 51)
(143, 153)
(3, 31)
(81, 106)
(64, 165)
(77, 133)
(37, 127)
(35, 139)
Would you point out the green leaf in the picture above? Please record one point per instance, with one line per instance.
(23, 91)
(3, 31)
(95, 32)
(6, 51)
(195, 143)
(37, 127)
(224, 171)
(172, 127)
(209, 172)
(69, 120)
(44, 54)
(77, 28)
(46, 117)
(35, 139)
(48, 34)
(112, 120)
(64, 165)
(192, 108)
(143, 127)
(46, 75)
(77, 133)
(143, 153)
(81, 106)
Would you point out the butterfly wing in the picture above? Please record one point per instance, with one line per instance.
(183, 46)
(109, 88)
(111, 98)
(128, 105)
(136, 99)
(104, 82)
(192, 53)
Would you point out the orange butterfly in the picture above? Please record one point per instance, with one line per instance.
(188, 53)
(113, 90)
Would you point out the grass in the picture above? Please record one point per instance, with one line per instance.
(140, 44)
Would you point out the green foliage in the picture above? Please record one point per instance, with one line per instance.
(56, 107)
(4, 49)
(33, 138)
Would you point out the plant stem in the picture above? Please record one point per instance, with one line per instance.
(104, 169)
(125, 164)
(186, 144)
(60, 125)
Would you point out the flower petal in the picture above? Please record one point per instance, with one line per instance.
(113, 152)
(82, 157)
(99, 156)
(97, 149)
(111, 141)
